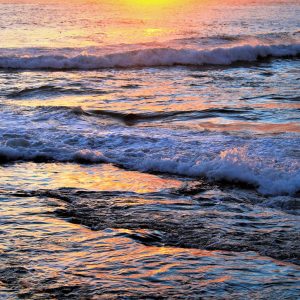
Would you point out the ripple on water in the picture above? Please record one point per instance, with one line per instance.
(145, 244)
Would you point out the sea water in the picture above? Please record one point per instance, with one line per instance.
(149, 148)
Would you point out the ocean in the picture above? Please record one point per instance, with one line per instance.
(149, 149)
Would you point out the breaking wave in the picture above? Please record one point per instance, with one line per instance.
(148, 58)
(214, 157)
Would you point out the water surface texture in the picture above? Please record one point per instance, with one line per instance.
(149, 149)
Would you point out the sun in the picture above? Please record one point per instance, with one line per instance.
(149, 3)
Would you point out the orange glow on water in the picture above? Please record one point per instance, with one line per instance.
(98, 178)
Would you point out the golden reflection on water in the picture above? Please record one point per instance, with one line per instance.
(110, 22)
(151, 21)
(99, 178)
(146, 21)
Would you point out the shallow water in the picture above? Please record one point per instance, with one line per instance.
(71, 243)
(149, 150)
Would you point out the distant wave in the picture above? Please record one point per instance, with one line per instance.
(149, 58)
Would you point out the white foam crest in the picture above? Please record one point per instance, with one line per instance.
(233, 165)
(148, 57)
(87, 155)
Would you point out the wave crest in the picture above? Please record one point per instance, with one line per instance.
(150, 58)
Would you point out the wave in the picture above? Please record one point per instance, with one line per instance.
(150, 58)
(224, 167)
(131, 119)
(217, 158)
(45, 90)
